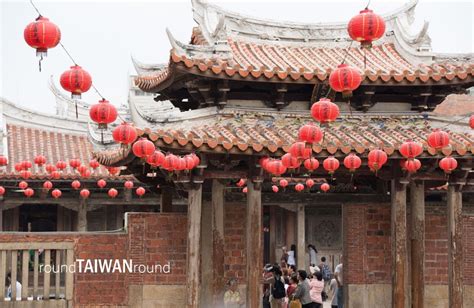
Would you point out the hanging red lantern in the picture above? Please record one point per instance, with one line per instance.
(61, 165)
(103, 113)
(50, 168)
(113, 170)
(128, 184)
(276, 167)
(345, 79)
(263, 162)
(124, 133)
(245, 190)
(241, 183)
(331, 164)
(181, 164)
(86, 173)
(40, 160)
(42, 35)
(290, 161)
(299, 150)
(352, 162)
(3, 161)
(143, 147)
(299, 187)
(94, 164)
(438, 139)
(18, 167)
(76, 184)
(140, 191)
(275, 188)
(170, 163)
(412, 165)
(190, 163)
(101, 183)
(324, 111)
(325, 187)
(76, 80)
(377, 158)
(2, 190)
(283, 183)
(311, 164)
(85, 193)
(25, 174)
(112, 193)
(448, 164)
(75, 163)
(410, 149)
(366, 27)
(310, 183)
(196, 158)
(47, 185)
(156, 159)
(310, 133)
(82, 169)
(29, 192)
(56, 193)
(471, 121)
(55, 175)
(25, 165)
(23, 185)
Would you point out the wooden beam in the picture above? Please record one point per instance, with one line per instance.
(300, 234)
(218, 267)
(455, 253)
(399, 246)
(254, 244)
(417, 202)
(193, 256)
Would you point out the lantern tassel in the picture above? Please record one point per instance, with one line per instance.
(39, 62)
(102, 136)
(77, 113)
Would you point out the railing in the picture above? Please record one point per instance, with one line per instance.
(32, 265)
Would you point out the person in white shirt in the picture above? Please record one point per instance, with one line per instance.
(292, 255)
(340, 283)
(9, 290)
(332, 293)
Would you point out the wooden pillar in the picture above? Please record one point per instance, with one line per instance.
(206, 255)
(254, 244)
(193, 256)
(16, 219)
(1, 218)
(455, 254)
(300, 237)
(399, 245)
(166, 199)
(218, 266)
(82, 216)
(417, 202)
(273, 227)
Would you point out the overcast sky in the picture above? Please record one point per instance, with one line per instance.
(102, 36)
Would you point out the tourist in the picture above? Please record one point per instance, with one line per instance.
(9, 290)
(232, 298)
(327, 275)
(313, 260)
(340, 282)
(292, 270)
(277, 286)
(302, 290)
(333, 293)
(316, 285)
(284, 257)
(292, 256)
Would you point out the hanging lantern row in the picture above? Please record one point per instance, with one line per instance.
(298, 187)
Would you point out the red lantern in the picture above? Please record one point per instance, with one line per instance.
(76, 80)
(276, 167)
(23, 185)
(245, 190)
(74, 163)
(101, 183)
(40, 160)
(410, 149)
(471, 121)
(56, 193)
(82, 169)
(85, 193)
(290, 161)
(352, 162)
(113, 170)
(241, 182)
(112, 193)
(55, 175)
(197, 161)
(128, 184)
(263, 162)
(310, 183)
(448, 164)
(299, 150)
(181, 164)
(377, 158)
(76, 184)
(275, 188)
(310, 133)
(25, 174)
(366, 27)
(103, 113)
(170, 163)
(42, 35)
(190, 163)
(86, 173)
(94, 164)
(18, 167)
(2, 190)
(26, 165)
(325, 187)
(61, 165)
(124, 133)
(29, 192)
(156, 159)
(412, 165)
(438, 139)
(143, 147)
(3, 161)
(311, 164)
(50, 168)
(345, 79)
(331, 164)
(47, 185)
(283, 183)
(324, 111)
(140, 191)
(299, 187)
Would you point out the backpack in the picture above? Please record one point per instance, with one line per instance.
(278, 290)
(326, 272)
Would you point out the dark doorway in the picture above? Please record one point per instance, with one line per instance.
(43, 218)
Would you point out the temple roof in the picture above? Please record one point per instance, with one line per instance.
(230, 45)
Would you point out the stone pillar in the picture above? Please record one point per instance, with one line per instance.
(417, 202)
(300, 238)
(82, 216)
(399, 245)
(455, 254)
(166, 199)
(254, 244)
(193, 256)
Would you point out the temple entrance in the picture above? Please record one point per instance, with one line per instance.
(40, 218)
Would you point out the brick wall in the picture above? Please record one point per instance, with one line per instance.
(234, 242)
